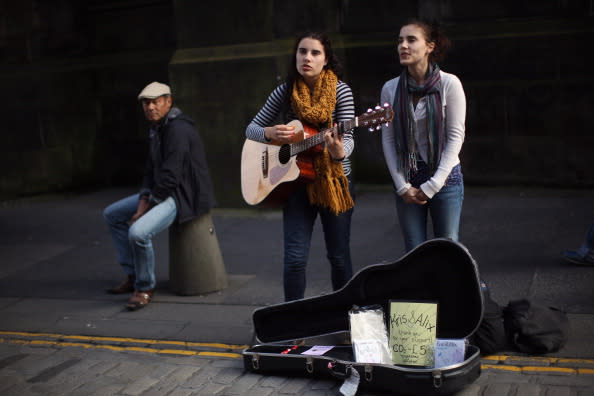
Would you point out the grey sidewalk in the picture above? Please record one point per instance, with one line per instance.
(57, 260)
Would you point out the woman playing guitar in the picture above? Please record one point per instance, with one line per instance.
(314, 94)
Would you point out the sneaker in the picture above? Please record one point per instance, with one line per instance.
(574, 257)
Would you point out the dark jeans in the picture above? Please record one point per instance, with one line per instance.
(298, 221)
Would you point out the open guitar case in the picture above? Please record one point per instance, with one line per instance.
(438, 270)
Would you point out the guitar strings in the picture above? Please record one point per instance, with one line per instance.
(349, 124)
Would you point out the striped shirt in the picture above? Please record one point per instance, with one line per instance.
(344, 111)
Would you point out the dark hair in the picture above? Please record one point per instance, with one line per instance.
(433, 34)
(333, 62)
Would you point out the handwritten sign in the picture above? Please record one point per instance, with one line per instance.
(413, 329)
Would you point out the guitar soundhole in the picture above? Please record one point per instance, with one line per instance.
(284, 154)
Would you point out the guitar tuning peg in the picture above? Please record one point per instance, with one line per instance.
(369, 110)
(371, 129)
(377, 128)
(387, 123)
(386, 105)
(377, 107)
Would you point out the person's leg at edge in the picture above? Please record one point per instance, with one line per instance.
(413, 222)
(298, 220)
(446, 209)
(585, 253)
(588, 247)
(141, 234)
(117, 217)
(337, 235)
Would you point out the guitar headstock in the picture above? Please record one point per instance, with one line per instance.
(374, 118)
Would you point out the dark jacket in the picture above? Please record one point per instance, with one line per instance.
(177, 167)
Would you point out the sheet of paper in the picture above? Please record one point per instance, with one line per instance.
(449, 351)
(368, 351)
(317, 350)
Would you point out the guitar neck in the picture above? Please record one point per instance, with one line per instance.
(318, 138)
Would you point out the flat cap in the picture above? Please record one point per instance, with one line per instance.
(154, 90)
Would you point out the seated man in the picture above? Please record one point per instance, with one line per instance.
(176, 188)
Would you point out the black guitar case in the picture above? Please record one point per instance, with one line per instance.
(438, 270)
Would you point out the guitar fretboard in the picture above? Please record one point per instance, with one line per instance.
(318, 138)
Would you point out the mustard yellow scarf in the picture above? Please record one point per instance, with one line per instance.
(330, 188)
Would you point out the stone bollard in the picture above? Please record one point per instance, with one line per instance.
(195, 261)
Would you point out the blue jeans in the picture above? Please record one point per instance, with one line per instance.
(298, 220)
(133, 243)
(445, 209)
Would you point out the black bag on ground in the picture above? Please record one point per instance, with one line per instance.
(535, 328)
(490, 336)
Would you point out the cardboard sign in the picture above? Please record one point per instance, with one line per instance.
(413, 329)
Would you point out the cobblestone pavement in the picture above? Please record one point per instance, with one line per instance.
(50, 364)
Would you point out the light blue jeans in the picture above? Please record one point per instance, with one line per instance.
(444, 208)
(133, 243)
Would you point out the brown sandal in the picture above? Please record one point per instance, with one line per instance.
(139, 299)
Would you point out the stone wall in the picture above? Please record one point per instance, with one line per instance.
(72, 70)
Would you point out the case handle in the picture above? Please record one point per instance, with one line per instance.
(333, 367)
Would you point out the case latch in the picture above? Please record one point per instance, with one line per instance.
(309, 364)
(256, 362)
(368, 372)
(437, 379)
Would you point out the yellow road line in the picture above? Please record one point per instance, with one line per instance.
(121, 348)
(124, 339)
(502, 367)
(578, 361)
(549, 370)
(544, 359)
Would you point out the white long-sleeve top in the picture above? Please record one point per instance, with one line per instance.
(343, 111)
(454, 112)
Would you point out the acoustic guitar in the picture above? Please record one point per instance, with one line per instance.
(270, 172)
